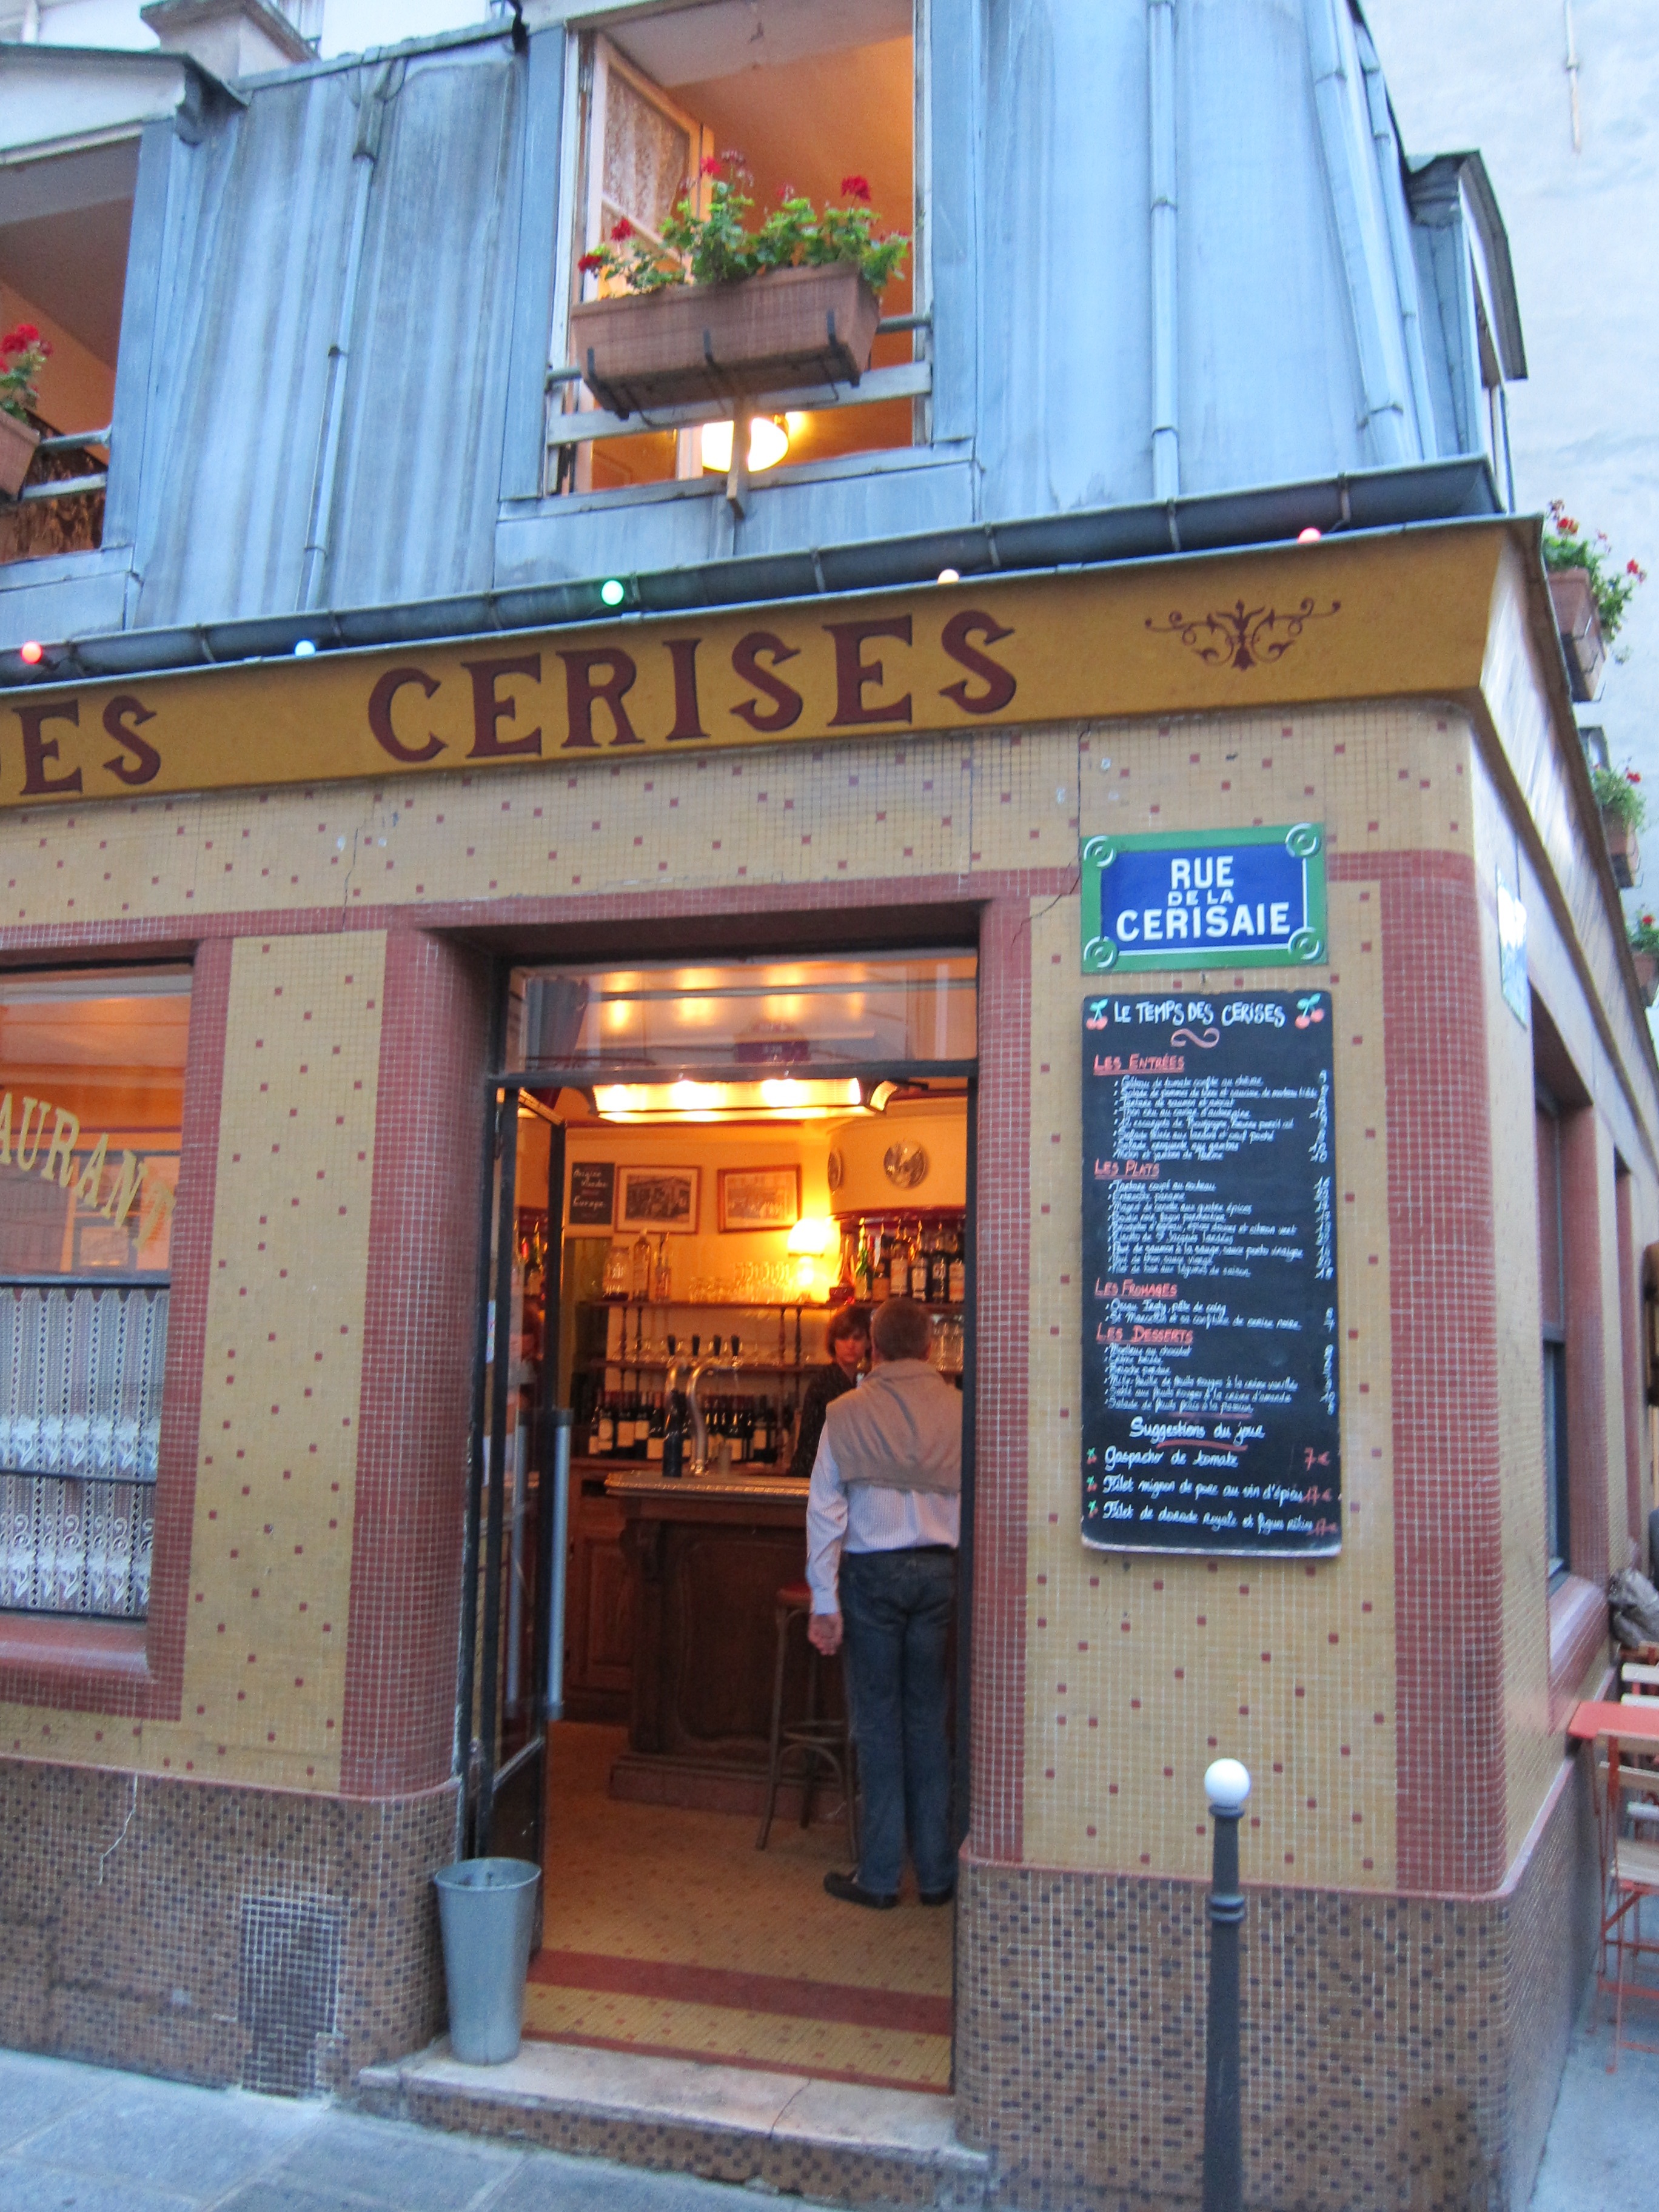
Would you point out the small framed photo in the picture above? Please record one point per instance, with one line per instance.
(661, 1200)
(759, 1197)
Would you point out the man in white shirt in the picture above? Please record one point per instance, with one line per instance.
(884, 1516)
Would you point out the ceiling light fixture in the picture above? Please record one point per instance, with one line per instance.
(782, 1098)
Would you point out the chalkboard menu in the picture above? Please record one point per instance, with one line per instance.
(592, 1193)
(1209, 1253)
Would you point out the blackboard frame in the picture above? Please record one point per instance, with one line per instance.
(1211, 1337)
(588, 1179)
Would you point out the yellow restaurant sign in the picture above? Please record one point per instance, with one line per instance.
(1386, 617)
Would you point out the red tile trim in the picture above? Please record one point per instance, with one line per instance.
(397, 1721)
(1002, 1337)
(87, 1682)
(844, 2002)
(506, 922)
(732, 2058)
(1450, 1811)
(1586, 1156)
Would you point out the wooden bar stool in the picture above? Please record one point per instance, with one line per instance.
(817, 1743)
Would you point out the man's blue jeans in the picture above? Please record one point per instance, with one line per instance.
(896, 1611)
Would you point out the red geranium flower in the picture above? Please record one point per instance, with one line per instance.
(11, 343)
(709, 167)
(1635, 568)
(591, 261)
(622, 229)
(1631, 776)
(856, 188)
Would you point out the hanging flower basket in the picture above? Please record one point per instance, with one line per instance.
(17, 445)
(1579, 624)
(773, 333)
(1647, 974)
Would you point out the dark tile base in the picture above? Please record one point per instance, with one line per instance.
(1398, 2052)
(216, 1934)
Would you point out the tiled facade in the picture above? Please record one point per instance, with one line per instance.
(285, 1729)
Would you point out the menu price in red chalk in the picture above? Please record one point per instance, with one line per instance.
(1210, 1343)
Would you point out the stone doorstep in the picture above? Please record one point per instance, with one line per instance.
(834, 2142)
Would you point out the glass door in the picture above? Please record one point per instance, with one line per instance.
(511, 1584)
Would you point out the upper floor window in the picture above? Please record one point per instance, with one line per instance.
(92, 1075)
(65, 224)
(778, 100)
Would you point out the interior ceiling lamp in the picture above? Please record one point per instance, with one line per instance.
(779, 1098)
(768, 442)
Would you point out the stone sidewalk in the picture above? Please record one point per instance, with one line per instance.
(84, 2139)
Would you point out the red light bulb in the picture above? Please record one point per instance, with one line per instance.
(32, 652)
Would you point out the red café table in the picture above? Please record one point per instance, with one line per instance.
(1637, 1722)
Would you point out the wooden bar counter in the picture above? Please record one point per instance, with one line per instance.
(705, 1558)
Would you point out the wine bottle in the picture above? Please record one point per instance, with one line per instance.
(864, 1266)
(898, 1264)
(604, 1438)
(760, 1442)
(938, 1268)
(674, 1438)
(921, 1262)
(956, 1279)
(656, 1433)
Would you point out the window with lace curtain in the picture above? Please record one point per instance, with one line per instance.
(92, 1075)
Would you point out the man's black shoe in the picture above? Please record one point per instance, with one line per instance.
(937, 1896)
(844, 1887)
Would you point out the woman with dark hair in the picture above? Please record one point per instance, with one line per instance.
(846, 1342)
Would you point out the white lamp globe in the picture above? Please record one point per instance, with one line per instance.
(1226, 1786)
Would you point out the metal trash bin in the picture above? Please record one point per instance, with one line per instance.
(487, 1911)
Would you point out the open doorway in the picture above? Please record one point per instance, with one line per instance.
(712, 1164)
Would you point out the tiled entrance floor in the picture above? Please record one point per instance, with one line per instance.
(667, 1932)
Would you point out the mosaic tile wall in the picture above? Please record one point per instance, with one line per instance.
(1142, 1670)
(1331, 1679)
(217, 1934)
(1400, 2053)
(264, 1646)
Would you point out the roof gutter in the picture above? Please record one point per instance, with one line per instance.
(1440, 491)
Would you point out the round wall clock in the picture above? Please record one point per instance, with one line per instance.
(834, 1170)
(906, 1164)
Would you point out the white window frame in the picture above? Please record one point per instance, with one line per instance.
(578, 191)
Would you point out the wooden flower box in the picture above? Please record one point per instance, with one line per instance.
(1622, 850)
(17, 445)
(1579, 624)
(1647, 974)
(775, 333)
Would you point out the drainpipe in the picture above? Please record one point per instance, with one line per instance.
(1160, 64)
(365, 152)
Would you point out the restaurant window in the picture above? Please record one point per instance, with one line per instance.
(1552, 1309)
(92, 1075)
(782, 98)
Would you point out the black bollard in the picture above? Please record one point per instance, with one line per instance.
(1227, 1786)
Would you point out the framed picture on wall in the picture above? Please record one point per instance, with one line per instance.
(759, 1197)
(661, 1200)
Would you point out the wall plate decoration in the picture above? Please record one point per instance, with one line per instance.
(905, 1164)
(834, 1170)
